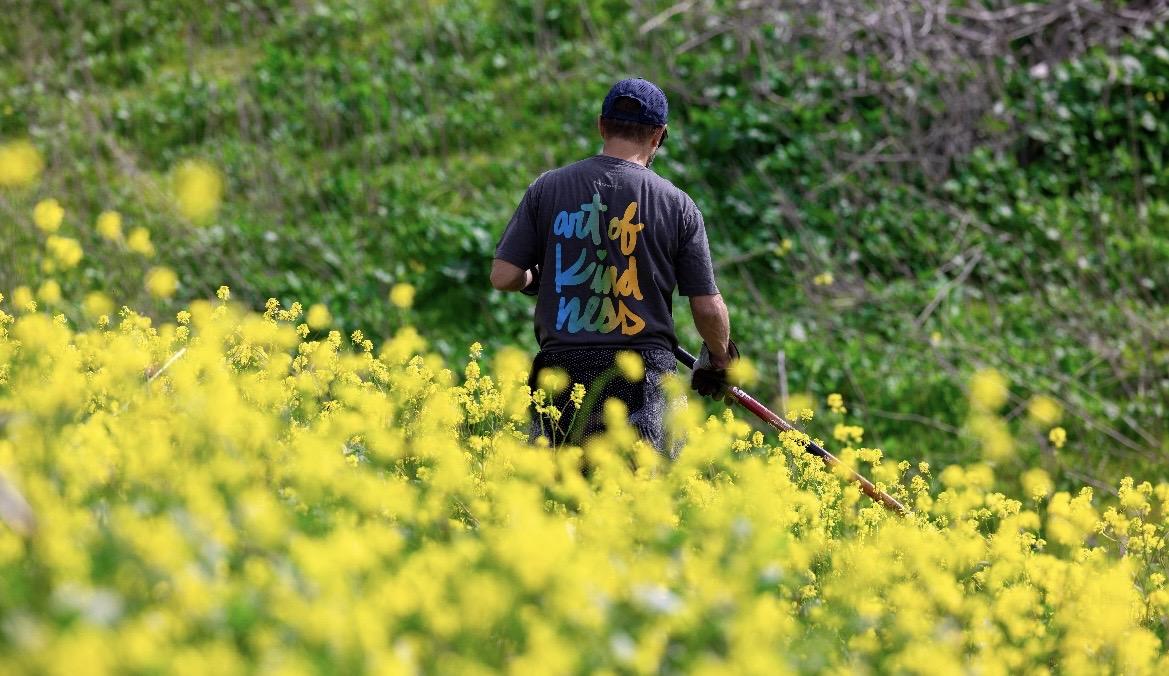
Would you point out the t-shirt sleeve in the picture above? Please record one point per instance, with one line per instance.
(519, 244)
(692, 264)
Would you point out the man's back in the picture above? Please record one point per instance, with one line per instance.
(603, 243)
(613, 240)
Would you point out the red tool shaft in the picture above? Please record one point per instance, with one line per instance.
(768, 416)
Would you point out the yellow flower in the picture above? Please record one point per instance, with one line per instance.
(1134, 497)
(97, 304)
(1058, 436)
(742, 372)
(783, 248)
(476, 350)
(405, 343)
(988, 390)
(329, 484)
(20, 164)
(1044, 410)
(823, 279)
(47, 215)
(198, 189)
(798, 414)
(22, 299)
(836, 403)
(795, 403)
(552, 380)
(109, 225)
(223, 293)
(318, 317)
(50, 292)
(161, 282)
(849, 434)
(631, 366)
(1036, 483)
(402, 295)
(66, 251)
(139, 242)
(511, 365)
(997, 443)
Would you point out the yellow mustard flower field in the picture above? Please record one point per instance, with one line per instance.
(235, 492)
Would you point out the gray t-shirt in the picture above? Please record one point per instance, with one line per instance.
(612, 239)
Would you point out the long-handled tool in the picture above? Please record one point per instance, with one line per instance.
(766, 415)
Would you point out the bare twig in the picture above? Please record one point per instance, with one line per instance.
(945, 290)
(173, 358)
(781, 375)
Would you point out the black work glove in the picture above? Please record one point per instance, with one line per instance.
(708, 380)
(533, 287)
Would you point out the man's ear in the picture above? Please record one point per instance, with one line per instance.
(601, 127)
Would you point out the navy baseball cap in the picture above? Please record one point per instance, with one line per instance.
(653, 102)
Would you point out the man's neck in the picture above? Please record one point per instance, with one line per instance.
(630, 152)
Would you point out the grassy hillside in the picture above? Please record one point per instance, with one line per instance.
(894, 213)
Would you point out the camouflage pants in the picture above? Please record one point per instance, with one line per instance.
(645, 400)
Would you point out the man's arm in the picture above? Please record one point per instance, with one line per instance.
(714, 325)
(508, 277)
(520, 243)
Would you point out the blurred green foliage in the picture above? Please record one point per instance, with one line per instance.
(369, 143)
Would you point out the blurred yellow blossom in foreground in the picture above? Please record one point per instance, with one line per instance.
(318, 317)
(742, 372)
(631, 366)
(20, 164)
(1044, 410)
(552, 380)
(1036, 483)
(22, 299)
(198, 189)
(49, 292)
(97, 304)
(47, 215)
(402, 295)
(109, 225)
(139, 242)
(797, 401)
(65, 251)
(988, 390)
(161, 282)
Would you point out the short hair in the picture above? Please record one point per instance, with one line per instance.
(630, 131)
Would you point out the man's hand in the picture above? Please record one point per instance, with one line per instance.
(709, 377)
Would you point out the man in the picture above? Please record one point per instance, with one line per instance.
(602, 244)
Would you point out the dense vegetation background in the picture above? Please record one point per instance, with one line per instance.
(897, 194)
